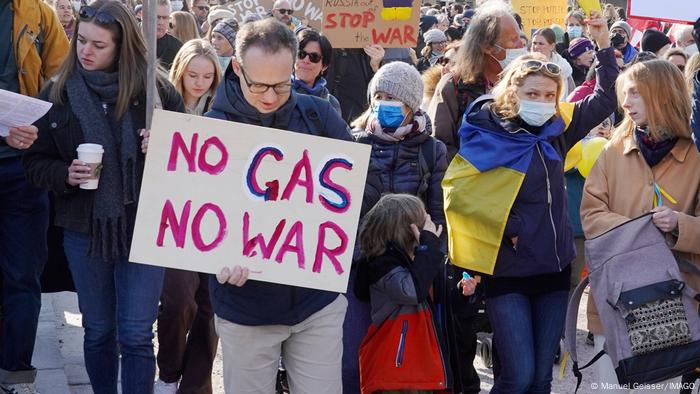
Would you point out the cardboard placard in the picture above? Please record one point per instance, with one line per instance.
(304, 10)
(537, 14)
(677, 11)
(218, 194)
(358, 23)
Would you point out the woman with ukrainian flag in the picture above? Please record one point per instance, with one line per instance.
(506, 208)
(650, 165)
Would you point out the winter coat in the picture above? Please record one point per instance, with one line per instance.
(348, 77)
(620, 187)
(261, 303)
(538, 217)
(401, 350)
(695, 117)
(40, 44)
(451, 99)
(400, 170)
(46, 162)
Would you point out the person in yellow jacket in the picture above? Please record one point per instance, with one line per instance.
(33, 47)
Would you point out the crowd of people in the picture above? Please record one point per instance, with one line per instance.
(469, 131)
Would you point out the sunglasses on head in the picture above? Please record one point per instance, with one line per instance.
(285, 11)
(88, 14)
(313, 57)
(536, 65)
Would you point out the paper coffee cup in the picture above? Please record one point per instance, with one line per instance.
(91, 154)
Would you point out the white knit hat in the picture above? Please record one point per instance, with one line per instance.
(400, 80)
(434, 35)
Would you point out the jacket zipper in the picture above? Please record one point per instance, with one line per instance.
(549, 206)
(402, 344)
(393, 168)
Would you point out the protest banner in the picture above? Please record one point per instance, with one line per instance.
(217, 194)
(677, 11)
(358, 23)
(537, 14)
(304, 10)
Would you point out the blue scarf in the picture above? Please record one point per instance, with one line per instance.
(318, 90)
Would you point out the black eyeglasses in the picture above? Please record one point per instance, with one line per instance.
(260, 88)
(88, 13)
(313, 57)
(536, 65)
(202, 8)
(284, 11)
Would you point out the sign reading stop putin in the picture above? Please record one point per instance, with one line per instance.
(217, 194)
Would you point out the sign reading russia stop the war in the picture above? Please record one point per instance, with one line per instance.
(218, 194)
(358, 23)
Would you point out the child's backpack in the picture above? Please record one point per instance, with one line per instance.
(649, 317)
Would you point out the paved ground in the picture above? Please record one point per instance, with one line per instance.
(59, 355)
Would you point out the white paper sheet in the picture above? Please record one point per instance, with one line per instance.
(19, 110)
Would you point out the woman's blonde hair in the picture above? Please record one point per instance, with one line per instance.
(190, 50)
(691, 68)
(506, 103)
(390, 221)
(185, 26)
(663, 90)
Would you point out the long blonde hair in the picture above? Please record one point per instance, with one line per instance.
(190, 50)
(506, 103)
(662, 87)
(185, 26)
(691, 68)
(390, 221)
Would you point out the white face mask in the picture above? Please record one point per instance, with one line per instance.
(511, 54)
(535, 113)
(176, 5)
(691, 49)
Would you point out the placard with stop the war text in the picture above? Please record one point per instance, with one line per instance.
(358, 23)
(218, 194)
(305, 11)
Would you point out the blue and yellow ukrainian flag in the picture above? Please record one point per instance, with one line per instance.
(481, 184)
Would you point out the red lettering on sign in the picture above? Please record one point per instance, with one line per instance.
(168, 218)
(265, 248)
(332, 254)
(190, 154)
(304, 164)
(197, 223)
(296, 233)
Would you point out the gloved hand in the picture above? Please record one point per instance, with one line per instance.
(696, 33)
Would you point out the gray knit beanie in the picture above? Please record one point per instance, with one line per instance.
(400, 80)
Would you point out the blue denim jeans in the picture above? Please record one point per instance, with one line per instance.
(119, 303)
(24, 220)
(526, 332)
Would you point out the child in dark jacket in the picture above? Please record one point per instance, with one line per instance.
(399, 262)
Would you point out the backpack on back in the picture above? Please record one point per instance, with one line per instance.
(650, 318)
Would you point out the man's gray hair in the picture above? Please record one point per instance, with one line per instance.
(483, 32)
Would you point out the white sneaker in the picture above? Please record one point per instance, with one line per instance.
(21, 388)
(164, 388)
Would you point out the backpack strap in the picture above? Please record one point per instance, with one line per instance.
(570, 331)
(309, 112)
(426, 164)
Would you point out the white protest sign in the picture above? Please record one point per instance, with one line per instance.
(683, 11)
(308, 10)
(217, 194)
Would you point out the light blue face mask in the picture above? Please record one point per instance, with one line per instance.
(388, 113)
(574, 32)
(224, 62)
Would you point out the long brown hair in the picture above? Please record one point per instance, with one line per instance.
(662, 87)
(131, 57)
(390, 221)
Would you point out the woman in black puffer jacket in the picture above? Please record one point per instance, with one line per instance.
(408, 158)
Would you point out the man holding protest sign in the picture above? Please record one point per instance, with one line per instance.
(257, 321)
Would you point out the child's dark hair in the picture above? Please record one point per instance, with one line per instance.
(390, 221)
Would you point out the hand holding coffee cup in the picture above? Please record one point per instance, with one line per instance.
(85, 171)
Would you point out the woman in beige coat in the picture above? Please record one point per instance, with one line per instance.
(650, 164)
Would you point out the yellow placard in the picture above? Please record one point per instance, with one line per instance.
(537, 14)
